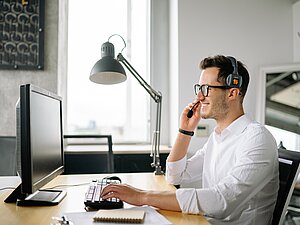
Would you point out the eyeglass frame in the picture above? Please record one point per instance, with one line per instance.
(198, 87)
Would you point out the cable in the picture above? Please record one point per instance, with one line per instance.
(68, 185)
(121, 38)
(6, 188)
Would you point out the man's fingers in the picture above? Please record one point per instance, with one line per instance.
(110, 195)
(112, 191)
(109, 188)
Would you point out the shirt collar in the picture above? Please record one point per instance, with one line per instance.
(239, 125)
(236, 127)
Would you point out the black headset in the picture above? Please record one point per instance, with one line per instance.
(234, 80)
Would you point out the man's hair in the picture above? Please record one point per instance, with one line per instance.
(225, 66)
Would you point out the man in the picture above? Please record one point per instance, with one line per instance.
(238, 165)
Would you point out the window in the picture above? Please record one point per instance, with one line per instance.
(289, 140)
(122, 109)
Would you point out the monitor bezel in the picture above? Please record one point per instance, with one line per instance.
(28, 186)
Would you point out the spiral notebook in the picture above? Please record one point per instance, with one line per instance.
(120, 216)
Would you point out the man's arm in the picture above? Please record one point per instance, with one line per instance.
(160, 199)
(179, 148)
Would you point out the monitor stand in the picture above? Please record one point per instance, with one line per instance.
(15, 195)
(39, 198)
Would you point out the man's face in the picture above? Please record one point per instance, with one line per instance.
(215, 105)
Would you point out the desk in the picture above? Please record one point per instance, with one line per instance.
(16, 215)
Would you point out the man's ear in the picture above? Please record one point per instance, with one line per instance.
(234, 92)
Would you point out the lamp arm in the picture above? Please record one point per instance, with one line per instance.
(154, 94)
(156, 141)
(157, 97)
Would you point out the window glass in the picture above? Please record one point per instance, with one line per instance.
(289, 139)
(121, 109)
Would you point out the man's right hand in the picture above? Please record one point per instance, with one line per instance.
(190, 124)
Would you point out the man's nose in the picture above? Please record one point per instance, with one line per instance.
(200, 96)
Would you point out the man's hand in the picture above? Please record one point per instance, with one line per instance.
(125, 193)
(190, 124)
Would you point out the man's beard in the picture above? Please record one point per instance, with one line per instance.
(218, 110)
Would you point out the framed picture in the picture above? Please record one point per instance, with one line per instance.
(22, 34)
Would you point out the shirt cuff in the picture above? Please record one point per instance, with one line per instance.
(188, 200)
(177, 166)
(174, 170)
(204, 201)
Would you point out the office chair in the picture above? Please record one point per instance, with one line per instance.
(8, 156)
(94, 162)
(289, 162)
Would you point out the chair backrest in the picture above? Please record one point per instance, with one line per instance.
(110, 159)
(8, 156)
(289, 162)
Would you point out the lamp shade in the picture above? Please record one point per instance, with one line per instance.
(108, 70)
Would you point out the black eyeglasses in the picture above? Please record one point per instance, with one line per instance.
(204, 88)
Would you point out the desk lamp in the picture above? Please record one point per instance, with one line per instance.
(109, 70)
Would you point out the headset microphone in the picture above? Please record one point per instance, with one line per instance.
(190, 113)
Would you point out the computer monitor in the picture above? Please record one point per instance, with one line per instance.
(40, 146)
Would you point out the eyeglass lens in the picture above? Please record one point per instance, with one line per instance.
(202, 88)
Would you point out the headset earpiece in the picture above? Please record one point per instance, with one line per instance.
(234, 80)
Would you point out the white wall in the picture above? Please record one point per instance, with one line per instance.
(174, 71)
(52, 78)
(257, 32)
(296, 31)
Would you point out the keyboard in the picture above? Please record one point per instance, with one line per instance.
(92, 196)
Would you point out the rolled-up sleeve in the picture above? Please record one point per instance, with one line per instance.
(189, 200)
(186, 170)
(174, 171)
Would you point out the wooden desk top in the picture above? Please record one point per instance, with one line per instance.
(16, 215)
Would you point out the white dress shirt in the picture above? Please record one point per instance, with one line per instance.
(238, 171)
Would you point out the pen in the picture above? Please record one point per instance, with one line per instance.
(62, 220)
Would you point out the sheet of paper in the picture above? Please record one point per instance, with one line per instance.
(152, 217)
